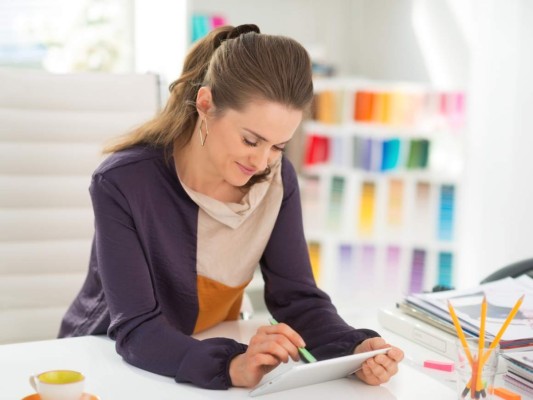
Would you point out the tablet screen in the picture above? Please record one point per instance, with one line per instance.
(300, 374)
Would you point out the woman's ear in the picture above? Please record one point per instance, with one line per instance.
(204, 101)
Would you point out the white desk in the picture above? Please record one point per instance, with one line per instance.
(109, 377)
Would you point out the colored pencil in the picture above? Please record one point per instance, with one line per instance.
(508, 320)
(476, 391)
(460, 332)
(480, 347)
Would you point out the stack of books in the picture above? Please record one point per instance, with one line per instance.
(432, 308)
(520, 370)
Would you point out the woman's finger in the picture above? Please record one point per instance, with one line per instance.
(396, 354)
(285, 330)
(382, 367)
(278, 346)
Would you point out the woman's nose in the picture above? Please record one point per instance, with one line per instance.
(260, 158)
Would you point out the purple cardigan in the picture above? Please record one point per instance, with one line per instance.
(141, 284)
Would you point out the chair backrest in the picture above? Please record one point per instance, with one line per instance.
(52, 128)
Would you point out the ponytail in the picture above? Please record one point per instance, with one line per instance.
(177, 120)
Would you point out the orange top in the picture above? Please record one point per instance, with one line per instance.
(217, 302)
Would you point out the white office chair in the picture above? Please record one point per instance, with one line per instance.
(52, 128)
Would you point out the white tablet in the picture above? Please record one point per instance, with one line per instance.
(309, 374)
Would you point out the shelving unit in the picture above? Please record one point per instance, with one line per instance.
(379, 185)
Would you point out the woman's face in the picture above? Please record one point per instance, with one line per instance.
(243, 143)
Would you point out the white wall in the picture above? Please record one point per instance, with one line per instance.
(315, 23)
(499, 199)
(160, 38)
(483, 47)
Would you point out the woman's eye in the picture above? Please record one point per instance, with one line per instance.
(249, 143)
(280, 149)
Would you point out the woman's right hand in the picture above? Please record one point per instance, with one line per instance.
(269, 347)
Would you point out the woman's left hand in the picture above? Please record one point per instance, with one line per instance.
(378, 369)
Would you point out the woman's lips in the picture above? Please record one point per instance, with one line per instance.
(245, 170)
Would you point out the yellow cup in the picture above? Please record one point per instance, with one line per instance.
(58, 385)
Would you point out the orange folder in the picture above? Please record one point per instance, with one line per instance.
(363, 106)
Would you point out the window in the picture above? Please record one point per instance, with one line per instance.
(67, 35)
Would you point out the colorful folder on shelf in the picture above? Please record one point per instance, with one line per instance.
(315, 256)
(446, 212)
(395, 202)
(367, 207)
(202, 24)
(336, 201)
(317, 149)
(445, 269)
(418, 264)
(418, 156)
(391, 154)
(363, 106)
(326, 107)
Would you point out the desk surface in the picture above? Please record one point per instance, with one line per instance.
(109, 377)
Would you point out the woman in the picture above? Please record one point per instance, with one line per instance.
(185, 208)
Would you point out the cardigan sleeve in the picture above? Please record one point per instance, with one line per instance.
(143, 335)
(291, 294)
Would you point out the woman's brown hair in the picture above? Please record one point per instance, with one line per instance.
(239, 65)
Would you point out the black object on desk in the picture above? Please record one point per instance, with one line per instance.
(513, 270)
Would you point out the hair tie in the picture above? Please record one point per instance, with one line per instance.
(241, 30)
(235, 33)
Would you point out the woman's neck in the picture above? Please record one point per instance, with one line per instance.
(192, 167)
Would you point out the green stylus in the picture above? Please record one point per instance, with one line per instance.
(307, 356)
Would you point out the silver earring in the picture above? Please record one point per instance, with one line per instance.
(203, 139)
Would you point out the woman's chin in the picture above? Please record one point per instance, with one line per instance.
(239, 181)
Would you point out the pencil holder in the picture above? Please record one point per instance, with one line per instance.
(475, 369)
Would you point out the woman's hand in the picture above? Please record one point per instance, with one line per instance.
(380, 368)
(270, 346)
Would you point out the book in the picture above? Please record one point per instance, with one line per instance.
(428, 318)
(501, 296)
(520, 370)
(425, 334)
(418, 331)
